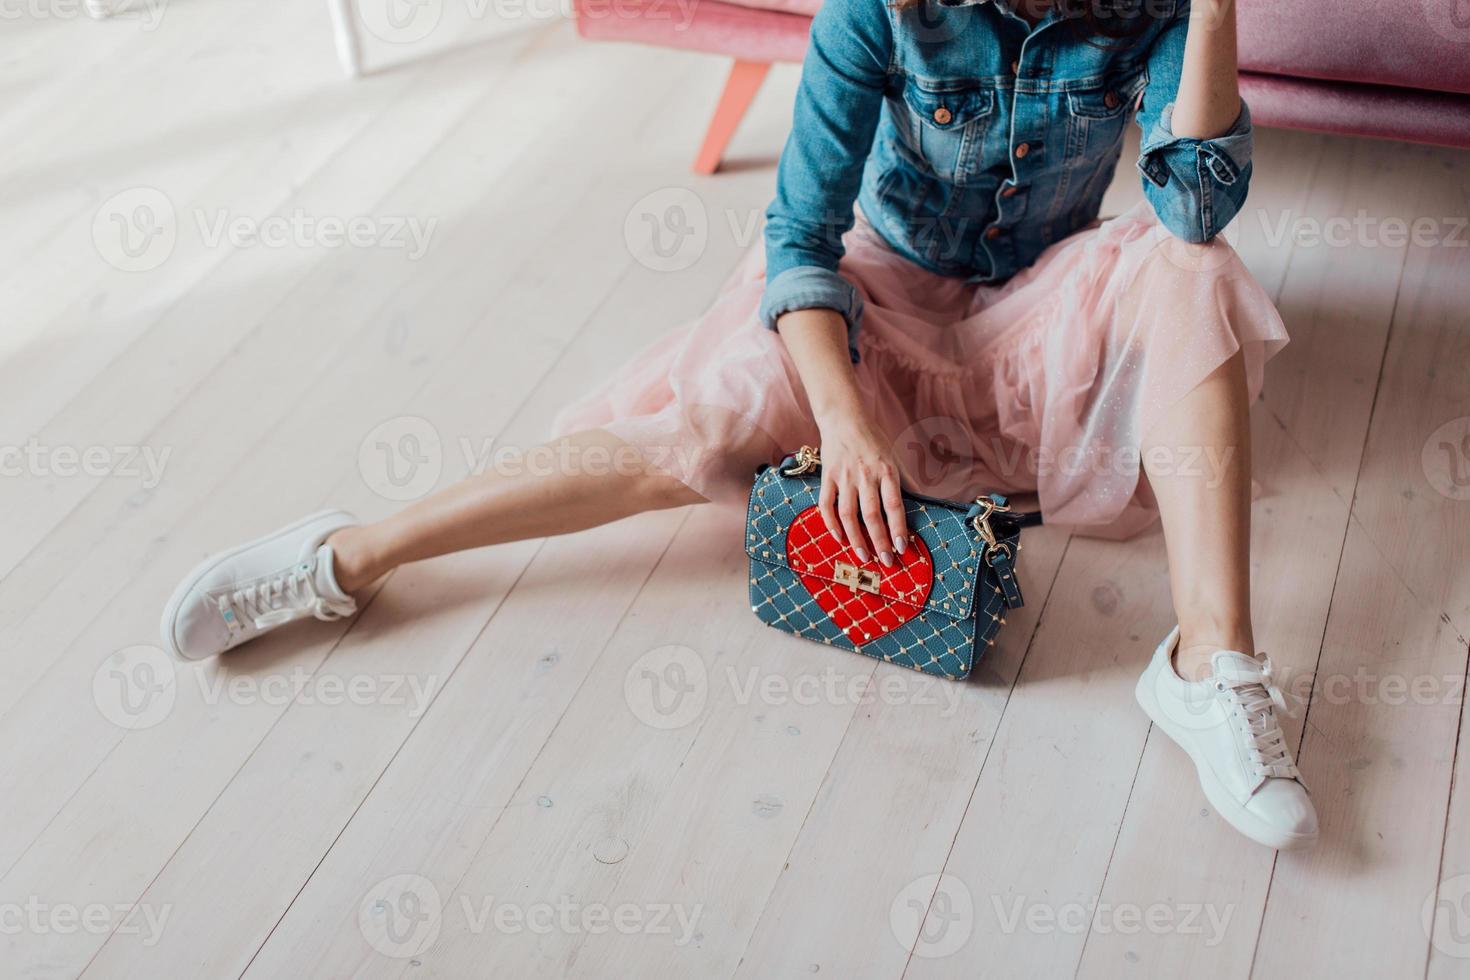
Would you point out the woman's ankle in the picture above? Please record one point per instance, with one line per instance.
(1198, 644)
(354, 562)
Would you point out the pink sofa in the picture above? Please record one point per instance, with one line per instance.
(1398, 69)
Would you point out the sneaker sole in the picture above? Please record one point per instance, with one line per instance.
(1234, 814)
(181, 593)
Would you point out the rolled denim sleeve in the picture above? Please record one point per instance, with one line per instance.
(1196, 186)
(837, 108)
(812, 287)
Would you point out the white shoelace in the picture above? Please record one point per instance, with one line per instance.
(278, 600)
(1253, 696)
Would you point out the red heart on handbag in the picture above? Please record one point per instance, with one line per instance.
(866, 600)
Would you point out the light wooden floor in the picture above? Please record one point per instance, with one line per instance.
(583, 756)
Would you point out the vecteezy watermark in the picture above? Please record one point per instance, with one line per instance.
(402, 916)
(37, 917)
(1446, 916)
(1363, 230)
(944, 457)
(301, 229)
(403, 458)
(934, 916)
(299, 685)
(1446, 459)
(667, 687)
(1450, 19)
(135, 687)
(1045, 918)
(137, 230)
(138, 686)
(149, 13)
(936, 453)
(36, 459)
(833, 686)
(1379, 687)
(400, 21)
(667, 230)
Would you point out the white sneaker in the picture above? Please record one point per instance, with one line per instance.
(274, 580)
(1228, 726)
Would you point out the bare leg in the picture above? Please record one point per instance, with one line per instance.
(1206, 515)
(602, 482)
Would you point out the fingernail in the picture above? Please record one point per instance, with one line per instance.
(900, 544)
(861, 553)
(886, 558)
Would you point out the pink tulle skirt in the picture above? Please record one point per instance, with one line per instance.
(1044, 385)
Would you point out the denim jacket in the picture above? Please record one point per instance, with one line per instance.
(972, 141)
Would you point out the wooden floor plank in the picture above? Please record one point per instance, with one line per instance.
(209, 302)
(210, 131)
(341, 404)
(361, 313)
(1379, 746)
(356, 394)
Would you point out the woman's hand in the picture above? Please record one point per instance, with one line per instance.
(860, 499)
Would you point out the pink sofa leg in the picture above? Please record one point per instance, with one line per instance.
(740, 88)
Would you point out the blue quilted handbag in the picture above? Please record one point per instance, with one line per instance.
(935, 611)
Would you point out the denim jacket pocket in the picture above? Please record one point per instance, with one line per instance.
(947, 123)
(1099, 114)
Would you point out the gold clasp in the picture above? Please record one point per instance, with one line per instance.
(864, 579)
(982, 521)
(807, 460)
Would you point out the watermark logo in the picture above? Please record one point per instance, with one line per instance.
(400, 21)
(934, 916)
(401, 459)
(1450, 19)
(135, 688)
(136, 229)
(401, 916)
(1446, 916)
(1446, 459)
(934, 453)
(667, 687)
(668, 230)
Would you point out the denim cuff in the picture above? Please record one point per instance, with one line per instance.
(1224, 156)
(810, 287)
